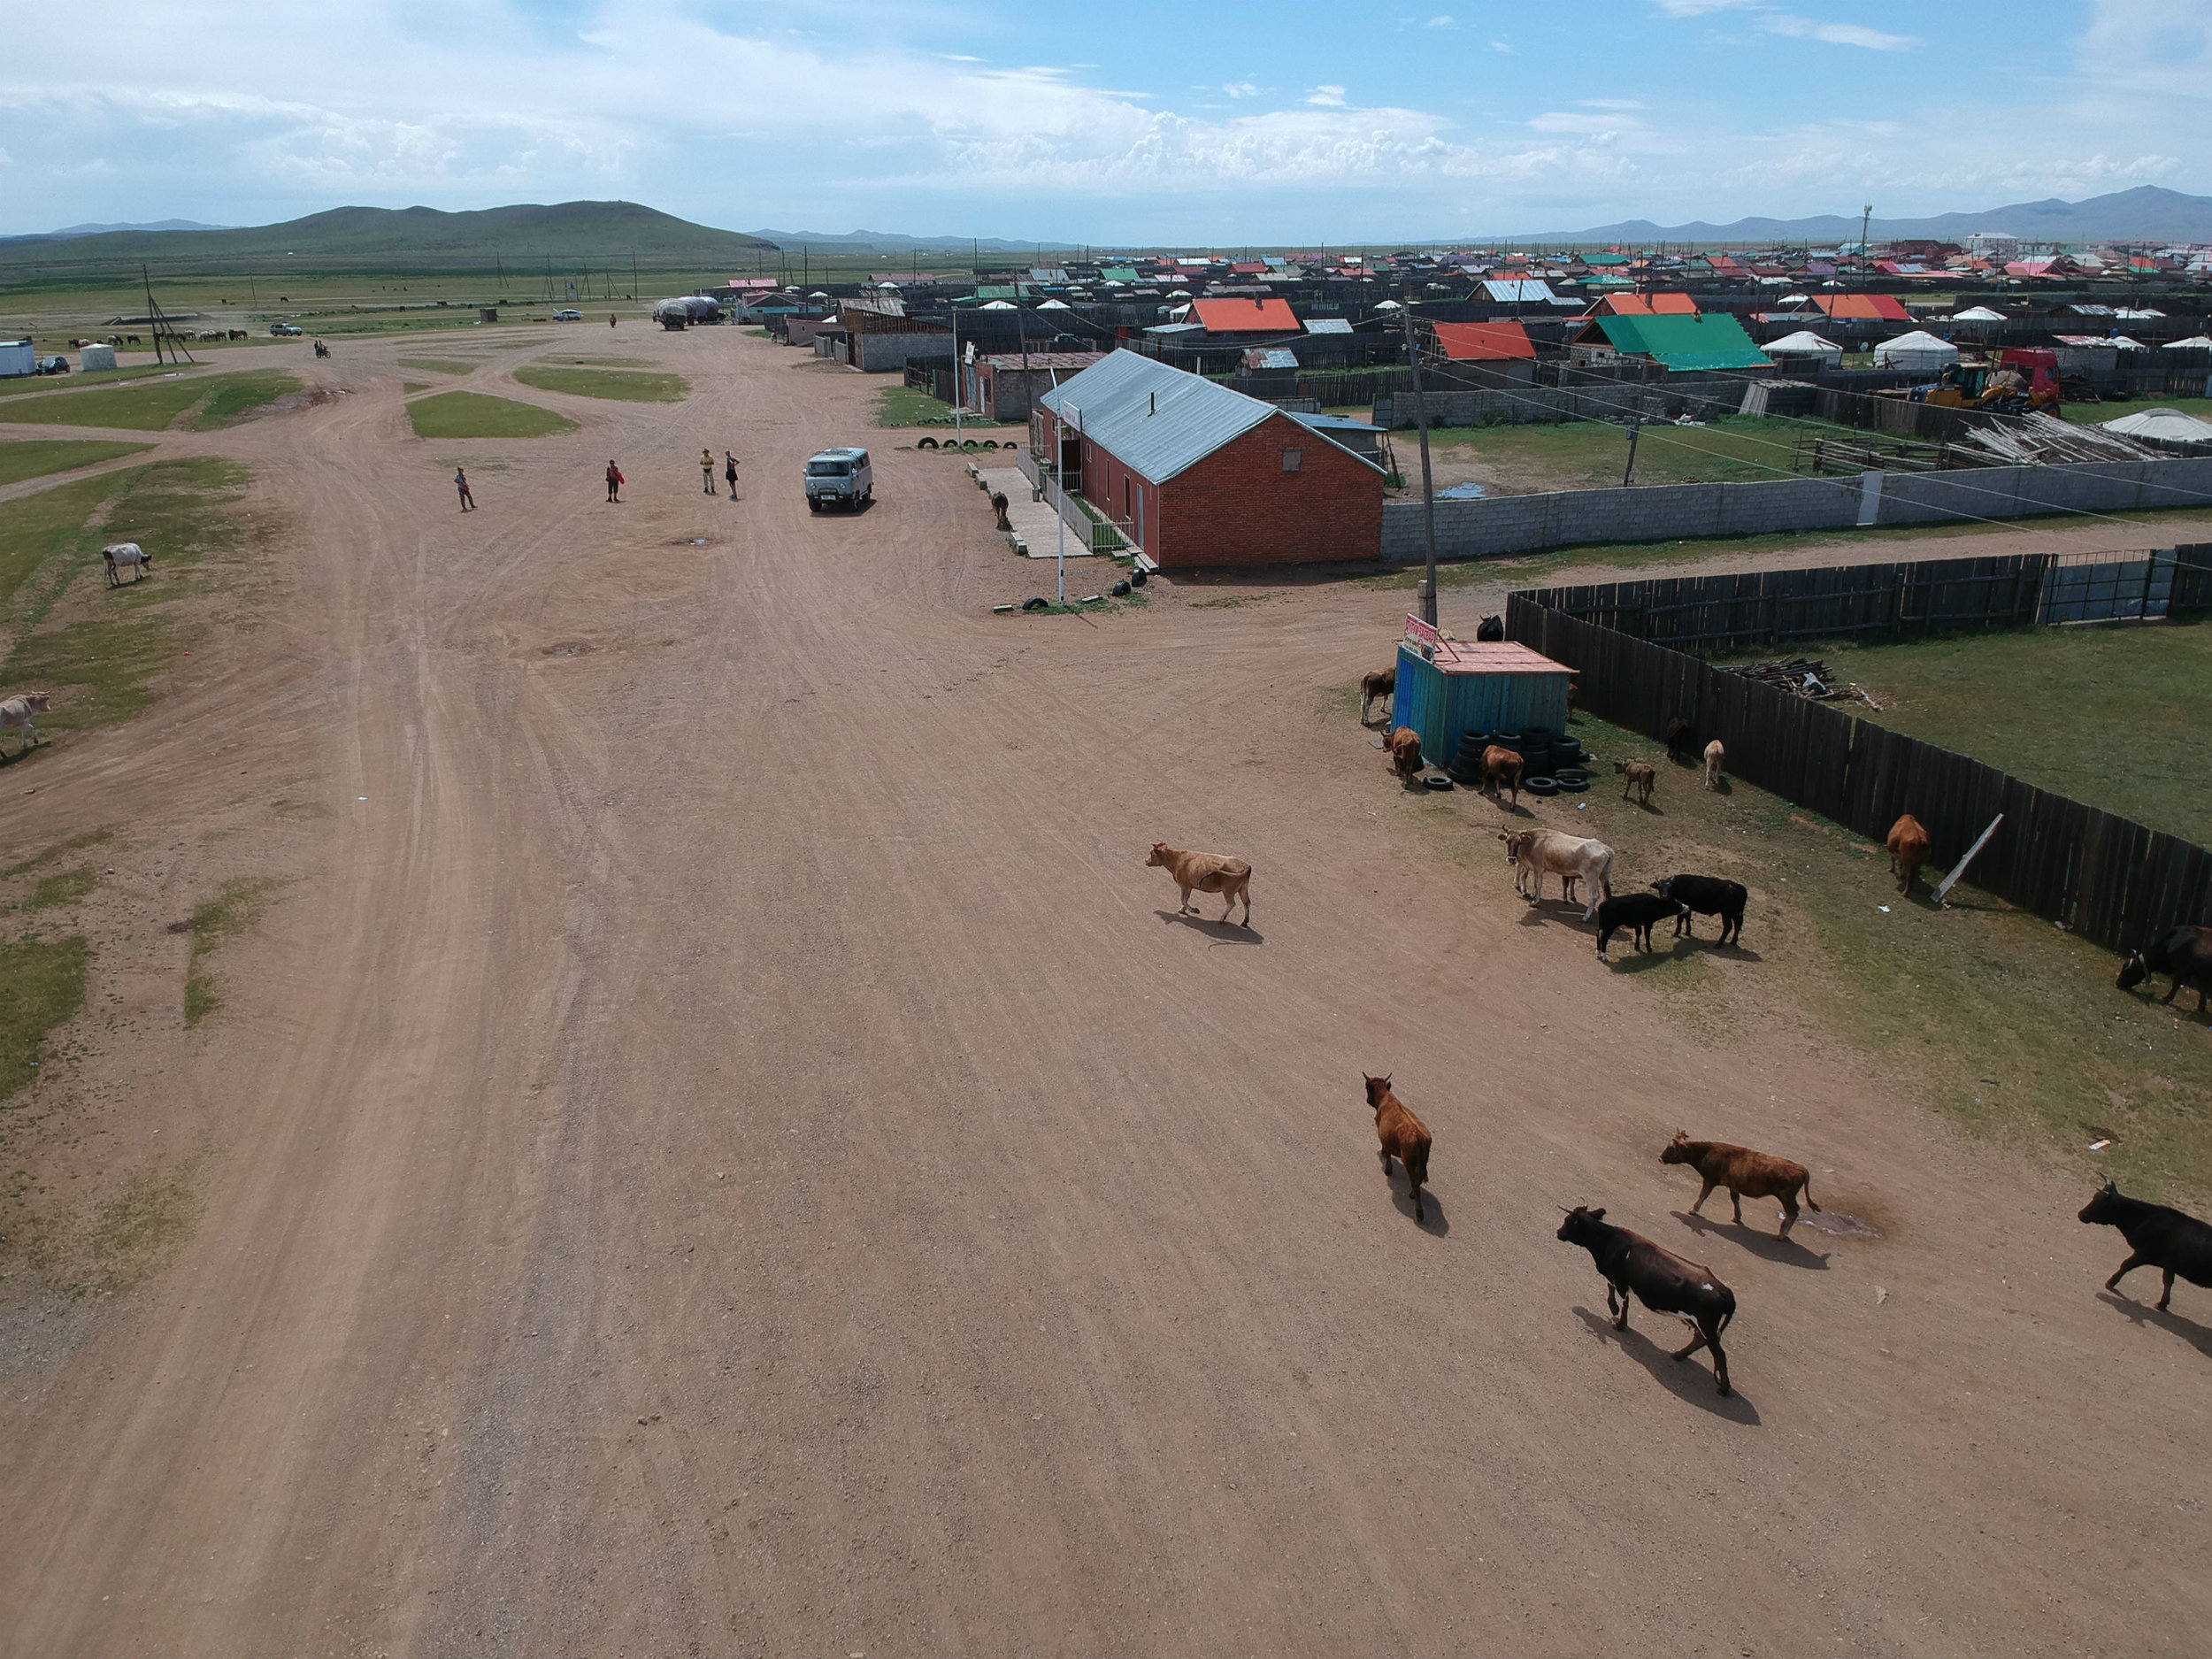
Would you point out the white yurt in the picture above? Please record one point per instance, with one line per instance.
(1977, 314)
(2165, 429)
(1805, 346)
(1918, 352)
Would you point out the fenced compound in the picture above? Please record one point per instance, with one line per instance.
(1760, 610)
(2110, 879)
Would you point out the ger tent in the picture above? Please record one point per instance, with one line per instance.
(1804, 345)
(1918, 352)
(2165, 429)
(1977, 314)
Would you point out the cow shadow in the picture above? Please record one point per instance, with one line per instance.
(22, 755)
(1784, 1252)
(1634, 961)
(1434, 1222)
(2144, 1313)
(1690, 1380)
(1220, 931)
(1545, 911)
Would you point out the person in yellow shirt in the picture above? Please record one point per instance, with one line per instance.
(706, 470)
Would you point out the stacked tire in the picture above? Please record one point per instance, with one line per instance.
(1466, 768)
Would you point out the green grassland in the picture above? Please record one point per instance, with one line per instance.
(98, 377)
(35, 457)
(476, 415)
(440, 366)
(220, 400)
(905, 406)
(2117, 717)
(41, 987)
(1593, 455)
(624, 385)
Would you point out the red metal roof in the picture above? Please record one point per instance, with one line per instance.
(1270, 315)
(1495, 656)
(1885, 308)
(1480, 342)
(1647, 305)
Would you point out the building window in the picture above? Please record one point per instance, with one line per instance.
(1293, 459)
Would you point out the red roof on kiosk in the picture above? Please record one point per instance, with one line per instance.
(1495, 656)
(1479, 343)
(1270, 316)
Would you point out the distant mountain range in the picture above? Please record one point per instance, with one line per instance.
(69, 232)
(891, 241)
(597, 232)
(2147, 213)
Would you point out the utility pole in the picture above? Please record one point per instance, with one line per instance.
(1866, 218)
(1629, 477)
(1428, 483)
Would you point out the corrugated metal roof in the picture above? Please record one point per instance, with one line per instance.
(1484, 343)
(1517, 290)
(1328, 326)
(1269, 316)
(1156, 420)
(1270, 357)
(1705, 342)
(1649, 305)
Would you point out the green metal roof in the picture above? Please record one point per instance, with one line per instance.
(1605, 259)
(1711, 339)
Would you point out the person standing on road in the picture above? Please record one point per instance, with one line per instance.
(729, 471)
(706, 471)
(461, 483)
(614, 482)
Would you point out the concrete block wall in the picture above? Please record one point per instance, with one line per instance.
(882, 353)
(1527, 524)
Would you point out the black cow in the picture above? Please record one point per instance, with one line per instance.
(1490, 628)
(1662, 1280)
(1636, 911)
(2157, 1237)
(2185, 953)
(1706, 895)
(1682, 736)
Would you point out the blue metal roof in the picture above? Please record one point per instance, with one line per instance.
(1156, 420)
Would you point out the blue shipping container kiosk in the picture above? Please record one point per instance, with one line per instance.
(1448, 687)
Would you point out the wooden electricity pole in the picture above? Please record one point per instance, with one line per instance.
(1428, 484)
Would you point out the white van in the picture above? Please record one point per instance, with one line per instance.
(840, 478)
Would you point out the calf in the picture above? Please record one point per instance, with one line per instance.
(125, 554)
(1662, 1280)
(1372, 688)
(1908, 851)
(2157, 1237)
(1501, 768)
(1536, 853)
(1490, 628)
(1206, 873)
(1403, 1136)
(17, 712)
(2185, 953)
(1681, 737)
(1636, 911)
(1745, 1173)
(1405, 752)
(1716, 757)
(1642, 777)
(1706, 895)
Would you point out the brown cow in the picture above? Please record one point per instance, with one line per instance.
(1908, 851)
(1642, 777)
(1502, 765)
(1402, 1135)
(1745, 1173)
(1383, 682)
(1206, 873)
(1405, 752)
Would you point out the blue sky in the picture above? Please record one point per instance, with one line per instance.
(1137, 122)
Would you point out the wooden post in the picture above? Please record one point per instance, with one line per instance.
(1959, 869)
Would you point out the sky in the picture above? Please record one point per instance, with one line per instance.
(1137, 122)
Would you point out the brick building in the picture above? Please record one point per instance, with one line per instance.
(1198, 475)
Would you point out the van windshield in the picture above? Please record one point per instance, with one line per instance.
(829, 469)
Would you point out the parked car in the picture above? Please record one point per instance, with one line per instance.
(53, 365)
(568, 317)
(839, 477)
(286, 329)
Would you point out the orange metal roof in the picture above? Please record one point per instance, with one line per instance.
(1476, 342)
(1883, 308)
(1651, 305)
(1270, 316)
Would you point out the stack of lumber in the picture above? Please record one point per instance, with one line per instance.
(2043, 440)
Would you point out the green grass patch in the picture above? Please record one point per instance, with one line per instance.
(60, 849)
(98, 377)
(476, 415)
(41, 987)
(1989, 1015)
(905, 406)
(439, 365)
(606, 363)
(133, 407)
(116, 1237)
(98, 668)
(624, 385)
(1592, 455)
(410, 387)
(230, 912)
(35, 457)
(237, 396)
(2115, 716)
(65, 888)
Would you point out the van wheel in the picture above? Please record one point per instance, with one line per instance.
(814, 503)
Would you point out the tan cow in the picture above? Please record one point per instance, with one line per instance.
(1502, 767)
(1206, 873)
(1405, 752)
(1642, 777)
(1374, 687)
(1537, 853)
(1716, 757)
(1908, 851)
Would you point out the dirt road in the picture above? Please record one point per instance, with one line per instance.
(722, 1148)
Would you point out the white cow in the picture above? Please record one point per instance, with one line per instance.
(1536, 853)
(16, 713)
(126, 553)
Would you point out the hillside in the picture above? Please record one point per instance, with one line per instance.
(2147, 213)
(569, 231)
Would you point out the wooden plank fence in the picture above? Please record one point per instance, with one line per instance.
(2113, 881)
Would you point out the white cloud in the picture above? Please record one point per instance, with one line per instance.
(1603, 126)
(1501, 46)
(1445, 21)
(1326, 97)
(1242, 90)
(1701, 8)
(1835, 34)
(1610, 103)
